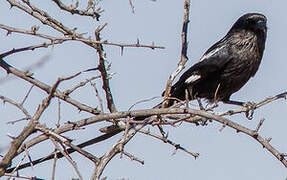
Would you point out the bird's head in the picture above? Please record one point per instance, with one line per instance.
(254, 22)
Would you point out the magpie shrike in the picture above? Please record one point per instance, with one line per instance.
(227, 65)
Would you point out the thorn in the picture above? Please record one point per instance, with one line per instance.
(259, 125)
(10, 136)
(122, 50)
(152, 44)
(268, 140)
(221, 129)
(174, 152)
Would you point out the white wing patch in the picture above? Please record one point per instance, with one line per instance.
(211, 53)
(192, 78)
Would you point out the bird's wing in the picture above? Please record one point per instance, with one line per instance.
(214, 60)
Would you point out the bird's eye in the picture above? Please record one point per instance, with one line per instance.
(261, 23)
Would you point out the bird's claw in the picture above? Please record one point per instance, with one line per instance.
(250, 107)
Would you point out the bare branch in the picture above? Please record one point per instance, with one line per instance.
(132, 6)
(256, 106)
(259, 125)
(81, 84)
(133, 158)
(183, 58)
(73, 10)
(19, 106)
(102, 69)
(67, 142)
(17, 176)
(98, 96)
(73, 163)
(165, 140)
(58, 40)
(68, 151)
(46, 87)
(54, 164)
(27, 94)
(117, 148)
(16, 143)
(137, 113)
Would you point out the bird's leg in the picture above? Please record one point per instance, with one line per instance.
(250, 106)
(199, 103)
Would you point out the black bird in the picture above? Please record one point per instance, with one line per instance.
(224, 68)
(227, 65)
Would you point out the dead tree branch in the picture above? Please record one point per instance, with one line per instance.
(183, 58)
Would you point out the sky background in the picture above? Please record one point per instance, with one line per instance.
(142, 74)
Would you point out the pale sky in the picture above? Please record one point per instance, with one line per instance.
(142, 74)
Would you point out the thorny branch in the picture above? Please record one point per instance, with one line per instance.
(103, 70)
(58, 40)
(73, 163)
(45, 87)
(165, 140)
(19, 106)
(183, 58)
(73, 9)
(27, 131)
(68, 151)
(138, 113)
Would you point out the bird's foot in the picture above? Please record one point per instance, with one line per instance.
(250, 107)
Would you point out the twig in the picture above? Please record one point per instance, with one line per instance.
(133, 158)
(73, 163)
(59, 113)
(258, 105)
(28, 130)
(54, 164)
(68, 151)
(102, 69)
(16, 143)
(46, 87)
(165, 140)
(27, 94)
(143, 101)
(58, 40)
(249, 132)
(45, 18)
(19, 106)
(26, 70)
(67, 142)
(81, 84)
(116, 148)
(29, 158)
(183, 58)
(132, 6)
(73, 10)
(17, 176)
(259, 125)
(18, 120)
(19, 164)
(40, 15)
(98, 96)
